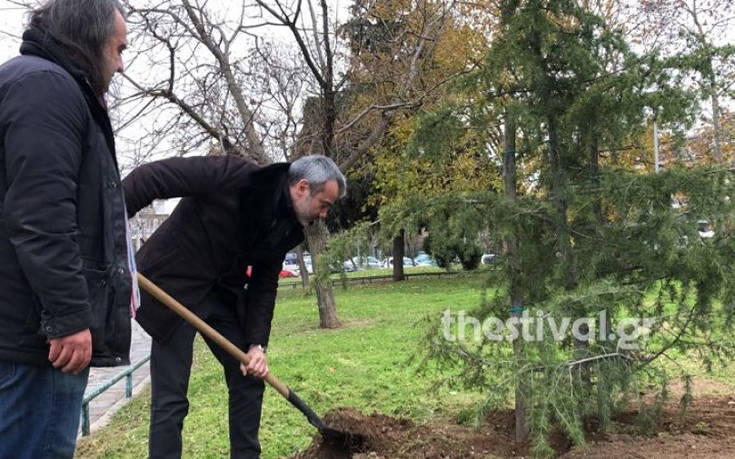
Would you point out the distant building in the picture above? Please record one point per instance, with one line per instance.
(149, 219)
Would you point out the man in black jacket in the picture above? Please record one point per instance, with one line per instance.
(66, 282)
(235, 214)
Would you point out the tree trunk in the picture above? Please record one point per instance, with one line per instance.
(316, 235)
(330, 117)
(595, 173)
(559, 184)
(716, 125)
(302, 268)
(398, 253)
(514, 271)
(558, 193)
(328, 90)
(317, 232)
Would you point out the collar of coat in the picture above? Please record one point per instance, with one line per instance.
(281, 205)
(272, 205)
(39, 43)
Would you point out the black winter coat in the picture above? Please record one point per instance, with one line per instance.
(63, 265)
(234, 215)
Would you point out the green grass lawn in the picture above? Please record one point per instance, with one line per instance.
(364, 364)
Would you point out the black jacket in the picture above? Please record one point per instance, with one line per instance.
(235, 214)
(63, 265)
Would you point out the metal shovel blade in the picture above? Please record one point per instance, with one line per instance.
(347, 440)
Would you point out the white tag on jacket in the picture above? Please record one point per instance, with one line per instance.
(135, 292)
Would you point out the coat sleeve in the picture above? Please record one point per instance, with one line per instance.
(46, 119)
(181, 177)
(261, 301)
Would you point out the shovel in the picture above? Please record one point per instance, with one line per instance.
(329, 434)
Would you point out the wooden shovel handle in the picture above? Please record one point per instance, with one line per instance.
(206, 330)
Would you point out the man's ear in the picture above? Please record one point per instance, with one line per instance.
(303, 187)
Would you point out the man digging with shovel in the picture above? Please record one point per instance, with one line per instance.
(234, 214)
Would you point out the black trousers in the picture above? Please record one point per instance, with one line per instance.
(170, 370)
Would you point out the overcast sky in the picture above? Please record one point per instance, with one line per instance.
(13, 19)
(12, 22)
(11, 27)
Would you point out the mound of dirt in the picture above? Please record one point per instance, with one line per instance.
(384, 437)
(708, 431)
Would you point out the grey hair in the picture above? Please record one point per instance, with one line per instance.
(317, 170)
(82, 27)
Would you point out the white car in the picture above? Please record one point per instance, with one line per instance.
(489, 258)
(705, 229)
(291, 263)
(307, 262)
(365, 262)
(407, 262)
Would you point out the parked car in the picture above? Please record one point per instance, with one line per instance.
(281, 273)
(489, 258)
(388, 263)
(345, 266)
(368, 262)
(705, 229)
(288, 273)
(348, 266)
(307, 262)
(291, 263)
(424, 259)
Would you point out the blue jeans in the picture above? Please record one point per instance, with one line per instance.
(39, 411)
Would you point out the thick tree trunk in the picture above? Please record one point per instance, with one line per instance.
(316, 235)
(398, 253)
(303, 270)
(514, 271)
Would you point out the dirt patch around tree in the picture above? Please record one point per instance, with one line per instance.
(707, 431)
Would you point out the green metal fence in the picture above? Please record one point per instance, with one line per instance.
(127, 374)
(377, 279)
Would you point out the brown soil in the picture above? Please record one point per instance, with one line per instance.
(708, 431)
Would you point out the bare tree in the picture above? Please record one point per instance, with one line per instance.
(315, 40)
(275, 75)
(202, 89)
(695, 30)
(228, 88)
(207, 79)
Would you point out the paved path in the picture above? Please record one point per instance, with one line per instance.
(111, 399)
